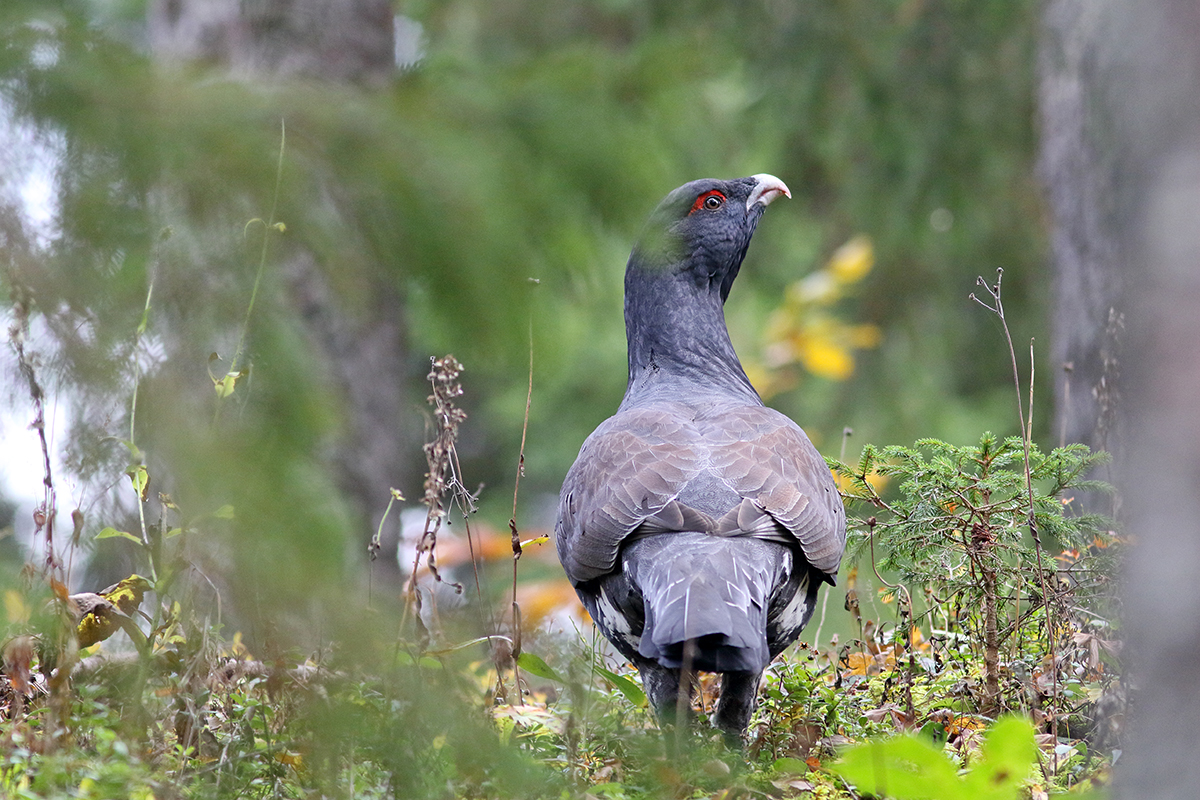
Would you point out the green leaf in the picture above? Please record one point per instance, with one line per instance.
(910, 768)
(224, 512)
(534, 665)
(225, 386)
(172, 532)
(112, 533)
(934, 732)
(1009, 752)
(905, 768)
(789, 766)
(626, 686)
(139, 476)
(145, 321)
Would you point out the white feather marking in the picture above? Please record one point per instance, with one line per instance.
(792, 616)
(613, 619)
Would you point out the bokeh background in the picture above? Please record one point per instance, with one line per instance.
(467, 177)
(234, 232)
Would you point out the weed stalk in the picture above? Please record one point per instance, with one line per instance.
(997, 308)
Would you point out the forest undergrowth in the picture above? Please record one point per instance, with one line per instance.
(985, 660)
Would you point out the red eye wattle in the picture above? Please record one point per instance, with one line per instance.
(709, 201)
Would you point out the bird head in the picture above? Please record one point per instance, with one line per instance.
(704, 227)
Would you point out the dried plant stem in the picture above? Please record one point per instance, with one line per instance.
(466, 504)
(376, 543)
(906, 612)
(439, 479)
(44, 517)
(1026, 433)
(512, 521)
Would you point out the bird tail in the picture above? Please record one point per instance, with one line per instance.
(706, 594)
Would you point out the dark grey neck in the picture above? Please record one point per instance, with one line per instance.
(679, 347)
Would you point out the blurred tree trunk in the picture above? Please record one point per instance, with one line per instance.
(1079, 168)
(362, 349)
(1159, 125)
(332, 40)
(1123, 145)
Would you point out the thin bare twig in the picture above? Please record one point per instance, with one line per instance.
(1026, 437)
(226, 384)
(517, 548)
(44, 516)
(908, 606)
(376, 543)
(512, 521)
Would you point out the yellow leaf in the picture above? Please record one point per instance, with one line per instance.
(236, 648)
(139, 476)
(857, 663)
(867, 664)
(960, 724)
(99, 614)
(852, 261)
(16, 607)
(127, 595)
(225, 386)
(826, 359)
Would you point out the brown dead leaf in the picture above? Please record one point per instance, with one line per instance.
(1045, 741)
(899, 718)
(805, 736)
(1095, 646)
(18, 656)
(59, 589)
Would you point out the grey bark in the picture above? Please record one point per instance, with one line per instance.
(1078, 164)
(1158, 124)
(1122, 79)
(332, 40)
(360, 342)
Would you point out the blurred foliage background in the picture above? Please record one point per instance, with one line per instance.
(480, 200)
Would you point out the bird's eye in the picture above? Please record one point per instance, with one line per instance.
(709, 201)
